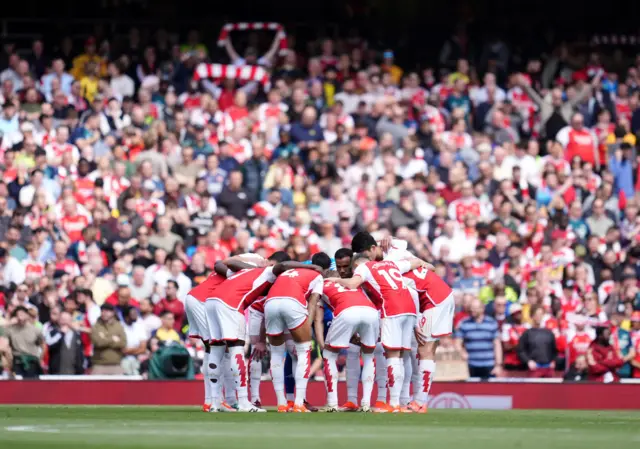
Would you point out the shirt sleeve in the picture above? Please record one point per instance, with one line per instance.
(404, 266)
(398, 251)
(317, 285)
(268, 275)
(363, 272)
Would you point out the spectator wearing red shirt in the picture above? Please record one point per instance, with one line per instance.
(172, 304)
(602, 358)
(121, 298)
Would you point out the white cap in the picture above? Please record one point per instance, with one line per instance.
(149, 185)
(122, 280)
(26, 127)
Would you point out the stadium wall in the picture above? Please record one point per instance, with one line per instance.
(490, 395)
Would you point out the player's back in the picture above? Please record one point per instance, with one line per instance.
(432, 289)
(339, 298)
(385, 285)
(205, 290)
(297, 283)
(244, 287)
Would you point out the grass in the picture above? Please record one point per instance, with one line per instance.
(27, 427)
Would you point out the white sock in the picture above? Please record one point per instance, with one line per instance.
(427, 371)
(255, 376)
(214, 364)
(229, 382)
(415, 373)
(395, 379)
(331, 377)
(405, 393)
(381, 373)
(205, 375)
(302, 371)
(239, 372)
(278, 356)
(368, 376)
(353, 373)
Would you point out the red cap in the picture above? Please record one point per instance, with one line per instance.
(558, 234)
(580, 76)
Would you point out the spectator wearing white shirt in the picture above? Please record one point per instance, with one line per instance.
(150, 321)
(121, 84)
(136, 345)
(451, 245)
(141, 287)
(502, 164)
(12, 270)
(481, 94)
(174, 273)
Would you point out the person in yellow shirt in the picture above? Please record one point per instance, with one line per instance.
(89, 82)
(166, 333)
(388, 66)
(90, 55)
(461, 73)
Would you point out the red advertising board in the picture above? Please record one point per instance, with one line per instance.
(492, 395)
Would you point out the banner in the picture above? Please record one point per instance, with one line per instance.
(477, 395)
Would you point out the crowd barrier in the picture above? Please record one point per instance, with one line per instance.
(478, 395)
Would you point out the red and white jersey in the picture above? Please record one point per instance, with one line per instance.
(511, 334)
(432, 290)
(205, 290)
(269, 110)
(69, 267)
(241, 289)
(258, 304)
(33, 269)
(435, 119)
(442, 90)
(578, 343)
(149, 209)
(339, 298)
(525, 106)
(385, 285)
(114, 186)
(605, 290)
(484, 270)
(84, 188)
(564, 256)
(623, 109)
(461, 207)
(55, 151)
(241, 151)
(74, 225)
(559, 165)
(582, 143)
(457, 140)
(298, 284)
(65, 173)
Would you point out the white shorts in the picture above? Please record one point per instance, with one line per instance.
(255, 322)
(197, 317)
(437, 321)
(396, 332)
(225, 323)
(283, 314)
(363, 321)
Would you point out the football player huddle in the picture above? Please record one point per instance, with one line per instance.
(389, 308)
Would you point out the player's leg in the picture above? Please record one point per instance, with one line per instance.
(368, 332)
(215, 358)
(353, 377)
(228, 381)
(290, 367)
(199, 329)
(206, 376)
(258, 348)
(302, 340)
(391, 338)
(405, 393)
(380, 376)
(275, 331)
(339, 335)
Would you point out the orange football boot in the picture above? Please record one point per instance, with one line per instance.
(382, 407)
(300, 409)
(283, 409)
(349, 407)
(206, 408)
(400, 409)
(417, 408)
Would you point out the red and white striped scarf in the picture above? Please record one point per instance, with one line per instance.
(224, 71)
(243, 26)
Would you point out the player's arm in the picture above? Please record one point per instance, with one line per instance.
(315, 313)
(409, 265)
(281, 267)
(352, 283)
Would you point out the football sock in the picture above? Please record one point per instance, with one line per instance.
(228, 380)
(395, 380)
(239, 374)
(405, 393)
(353, 373)
(368, 376)
(255, 376)
(215, 362)
(302, 371)
(331, 377)
(206, 376)
(278, 355)
(381, 373)
(427, 371)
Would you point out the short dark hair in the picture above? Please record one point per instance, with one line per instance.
(280, 256)
(166, 312)
(358, 256)
(362, 241)
(342, 253)
(19, 309)
(534, 309)
(322, 260)
(174, 283)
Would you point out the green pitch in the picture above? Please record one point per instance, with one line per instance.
(40, 427)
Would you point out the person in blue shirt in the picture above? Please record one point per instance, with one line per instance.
(468, 282)
(307, 133)
(621, 166)
(478, 338)
(459, 99)
(9, 119)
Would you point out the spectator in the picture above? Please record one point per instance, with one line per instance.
(478, 340)
(137, 337)
(171, 303)
(109, 340)
(166, 334)
(578, 371)
(602, 358)
(537, 346)
(64, 344)
(234, 198)
(26, 342)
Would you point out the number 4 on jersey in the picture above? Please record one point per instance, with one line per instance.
(290, 274)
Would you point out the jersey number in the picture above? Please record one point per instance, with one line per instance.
(421, 272)
(391, 276)
(342, 289)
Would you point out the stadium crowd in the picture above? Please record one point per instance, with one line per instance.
(124, 178)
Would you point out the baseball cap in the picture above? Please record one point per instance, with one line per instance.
(122, 280)
(26, 127)
(148, 185)
(515, 308)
